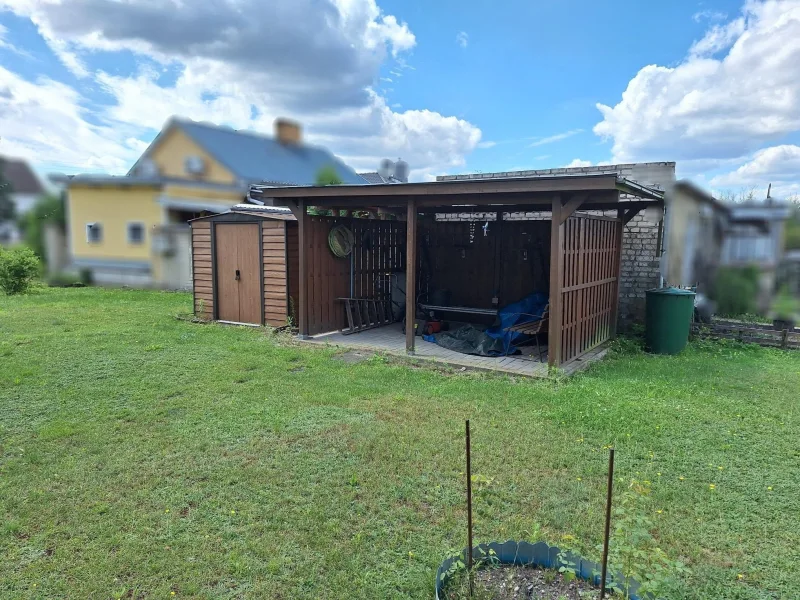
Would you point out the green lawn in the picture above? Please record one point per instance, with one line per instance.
(141, 455)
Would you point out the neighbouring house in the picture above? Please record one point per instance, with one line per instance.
(696, 227)
(389, 172)
(642, 235)
(703, 234)
(755, 237)
(134, 229)
(26, 189)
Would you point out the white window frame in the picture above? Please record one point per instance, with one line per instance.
(128, 233)
(91, 227)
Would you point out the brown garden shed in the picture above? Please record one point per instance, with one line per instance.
(571, 254)
(245, 266)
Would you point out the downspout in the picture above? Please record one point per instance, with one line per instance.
(663, 255)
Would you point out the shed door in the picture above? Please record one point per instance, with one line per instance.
(238, 272)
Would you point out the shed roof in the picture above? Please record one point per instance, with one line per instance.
(245, 212)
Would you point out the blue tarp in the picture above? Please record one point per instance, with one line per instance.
(527, 310)
(497, 340)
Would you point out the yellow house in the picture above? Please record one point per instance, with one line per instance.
(133, 229)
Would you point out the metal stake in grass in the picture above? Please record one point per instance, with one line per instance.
(608, 524)
(469, 514)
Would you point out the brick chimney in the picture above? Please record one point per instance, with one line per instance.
(287, 131)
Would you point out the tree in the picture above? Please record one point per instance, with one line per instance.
(328, 176)
(8, 210)
(48, 209)
(325, 176)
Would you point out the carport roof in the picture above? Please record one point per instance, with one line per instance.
(599, 190)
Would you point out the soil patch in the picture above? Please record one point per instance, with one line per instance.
(522, 583)
(354, 356)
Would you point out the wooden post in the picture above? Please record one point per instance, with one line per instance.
(302, 241)
(411, 274)
(498, 258)
(617, 271)
(556, 270)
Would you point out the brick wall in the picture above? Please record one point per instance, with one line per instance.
(640, 244)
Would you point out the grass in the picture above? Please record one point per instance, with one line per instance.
(141, 455)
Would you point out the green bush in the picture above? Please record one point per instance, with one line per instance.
(18, 267)
(736, 290)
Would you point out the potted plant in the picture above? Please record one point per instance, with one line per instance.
(785, 310)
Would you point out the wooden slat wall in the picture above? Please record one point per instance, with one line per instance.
(275, 272)
(591, 256)
(462, 260)
(377, 252)
(293, 264)
(202, 278)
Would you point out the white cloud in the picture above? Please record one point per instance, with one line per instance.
(242, 65)
(718, 38)
(462, 39)
(43, 121)
(715, 110)
(778, 165)
(487, 144)
(577, 162)
(709, 15)
(554, 138)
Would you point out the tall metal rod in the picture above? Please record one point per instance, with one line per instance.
(608, 524)
(469, 513)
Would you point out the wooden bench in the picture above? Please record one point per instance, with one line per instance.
(534, 328)
(464, 310)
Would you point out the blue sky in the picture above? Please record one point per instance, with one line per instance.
(448, 86)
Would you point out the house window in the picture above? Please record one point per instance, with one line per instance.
(94, 233)
(136, 233)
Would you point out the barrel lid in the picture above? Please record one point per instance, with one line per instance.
(671, 291)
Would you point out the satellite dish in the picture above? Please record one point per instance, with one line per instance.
(195, 165)
(401, 171)
(386, 169)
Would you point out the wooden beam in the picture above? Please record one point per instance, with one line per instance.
(594, 202)
(302, 241)
(626, 215)
(571, 205)
(552, 184)
(411, 275)
(556, 280)
(618, 270)
(294, 206)
(498, 258)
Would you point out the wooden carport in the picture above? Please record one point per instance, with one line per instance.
(585, 246)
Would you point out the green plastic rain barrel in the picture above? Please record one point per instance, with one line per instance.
(668, 319)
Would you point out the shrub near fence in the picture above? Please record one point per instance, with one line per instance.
(736, 290)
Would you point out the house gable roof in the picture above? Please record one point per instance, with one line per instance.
(253, 157)
(20, 176)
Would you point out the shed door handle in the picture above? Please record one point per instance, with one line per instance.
(238, 275)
